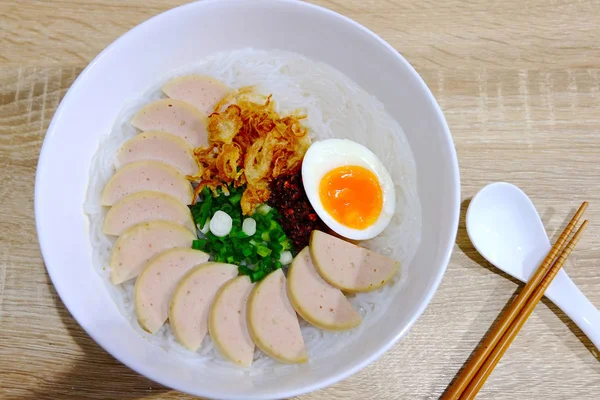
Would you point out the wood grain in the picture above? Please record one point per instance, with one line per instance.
(519, 82)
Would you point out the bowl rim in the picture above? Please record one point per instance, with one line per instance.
(345, 371)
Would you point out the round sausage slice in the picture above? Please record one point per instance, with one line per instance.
(158, 146)
(272, 322)
(203, 92)
(227, 321)
(143, 207)
(147, 175)
(191, 301)
(349, 267)
(319, 303)
(156, 283)
(138, 244)
(175, 117)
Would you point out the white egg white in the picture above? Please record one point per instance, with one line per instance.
(326, 155)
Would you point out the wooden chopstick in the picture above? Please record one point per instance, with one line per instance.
(469, 371)
(493, 359)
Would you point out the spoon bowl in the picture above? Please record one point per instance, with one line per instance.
(506, 229)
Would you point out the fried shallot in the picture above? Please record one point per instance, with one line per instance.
(250, 144)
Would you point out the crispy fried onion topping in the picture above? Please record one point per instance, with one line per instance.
(249, 144)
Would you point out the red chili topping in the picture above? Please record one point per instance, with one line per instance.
(299, 219)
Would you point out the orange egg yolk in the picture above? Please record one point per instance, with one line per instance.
(352, 196)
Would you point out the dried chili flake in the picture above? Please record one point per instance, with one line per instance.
(299, 217)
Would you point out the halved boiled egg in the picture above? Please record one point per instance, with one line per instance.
(349, 188)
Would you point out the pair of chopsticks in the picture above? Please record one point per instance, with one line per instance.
(474, 374)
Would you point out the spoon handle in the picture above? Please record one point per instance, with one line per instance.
(567, 296)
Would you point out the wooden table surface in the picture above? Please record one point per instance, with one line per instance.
(519, 82)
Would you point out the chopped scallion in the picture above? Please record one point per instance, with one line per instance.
(257, 244)
(263, 250)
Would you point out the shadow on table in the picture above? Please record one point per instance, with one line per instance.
(465, 245)
(96, 374)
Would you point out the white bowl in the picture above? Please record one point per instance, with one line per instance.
(179, 37)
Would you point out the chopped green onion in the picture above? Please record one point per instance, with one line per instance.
(263, 209)
(237, 235)
(286, 257)
(262, 264)
(246, 251)
(263, 250)
(206, 226)
(220, 224)
(256, 244)
(243, 270)
(257, 276)
(287, 244)
(249, 226)
(269, 262)
(235, 199)
(276, 247)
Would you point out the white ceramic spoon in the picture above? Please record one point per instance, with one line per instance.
(506, 229)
